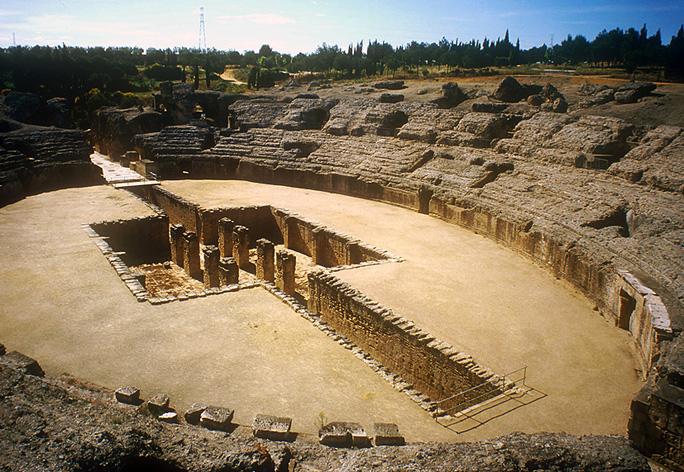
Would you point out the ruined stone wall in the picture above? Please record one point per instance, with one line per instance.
(571, 261)
(259, 220)
(142, 240)
(179, 210)
(324, 245)
(433, 367)
(641, 312)
(655, 426)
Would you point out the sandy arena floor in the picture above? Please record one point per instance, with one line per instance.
(64, 305)
(482, 298)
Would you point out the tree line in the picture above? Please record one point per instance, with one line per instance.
(629, 49)
(73, 71)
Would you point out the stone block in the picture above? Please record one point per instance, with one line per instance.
(168, 417)
(391, 98)
(387, 434)
(265, 267)
(228, 271)
(343, 434)
(317, 252)
(225, 236)
(211, 266)
(129, 395)
(191, 261)
(272, 427)
(193, 414)
(2, 350)
(17, 360)
(158, 404)
(286, 263)
(216, 418)
(176, 244)
(241, 246)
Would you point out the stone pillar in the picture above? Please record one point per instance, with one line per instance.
(289, 221)
(285, 271)
(176, 244)
(191, 261)
(424, 196)
(225, 236)
(264, 265)
(241, 246)
(211, 262)
(317, 249)
(228, 271)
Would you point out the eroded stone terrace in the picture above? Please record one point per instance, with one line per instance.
(594, 199)
(587, 196)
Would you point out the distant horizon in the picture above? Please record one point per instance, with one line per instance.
(292, 27)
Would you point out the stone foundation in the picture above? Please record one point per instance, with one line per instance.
(265, 269)
(228, 271)
(191, 261)
(241, 246)
(225, 236)
(211, 266)
(286, 263)
(138, 240)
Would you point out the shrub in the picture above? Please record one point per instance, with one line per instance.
(160, 72)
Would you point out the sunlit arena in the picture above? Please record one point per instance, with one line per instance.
(381, 258)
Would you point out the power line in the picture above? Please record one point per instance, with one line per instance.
(202, 43)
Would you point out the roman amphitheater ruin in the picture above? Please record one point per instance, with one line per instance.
(462, 272)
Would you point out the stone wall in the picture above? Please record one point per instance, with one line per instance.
(324, 245)
(178, 209)
(259, 220)
(570, 261)
(656, 426)
(433, 367)
(641, 312)
(141, 240)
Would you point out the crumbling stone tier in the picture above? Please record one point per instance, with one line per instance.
(595, 199)
(508, 167)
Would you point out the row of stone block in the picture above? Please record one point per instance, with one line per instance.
(346, 434)
(335, 434)
(134, 282)
(211, 417)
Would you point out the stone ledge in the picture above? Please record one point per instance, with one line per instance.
(272, 427)
(343, 434)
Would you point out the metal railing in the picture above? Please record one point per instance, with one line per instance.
(475, 395)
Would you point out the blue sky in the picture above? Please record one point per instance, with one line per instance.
(301, 25)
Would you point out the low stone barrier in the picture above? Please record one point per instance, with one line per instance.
(433, 367)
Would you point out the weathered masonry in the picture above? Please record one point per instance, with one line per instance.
(433, 367)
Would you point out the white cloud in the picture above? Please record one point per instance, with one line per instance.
(58, 28)
(258, 19)
(10, 12)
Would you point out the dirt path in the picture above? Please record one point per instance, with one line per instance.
(229, 74)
